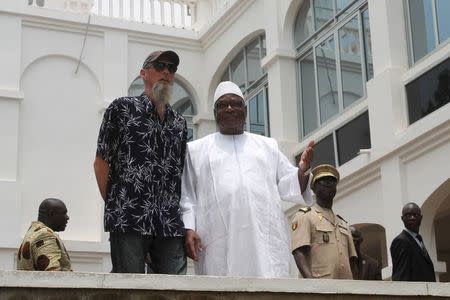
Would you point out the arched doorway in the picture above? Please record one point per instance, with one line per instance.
(374, 242)
(441, 223)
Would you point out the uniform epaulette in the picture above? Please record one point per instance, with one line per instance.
(305, 209)
(342, 218)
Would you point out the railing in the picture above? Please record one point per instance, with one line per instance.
(174, 13)
(187, 14)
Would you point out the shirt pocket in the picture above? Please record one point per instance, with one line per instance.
(323, 234)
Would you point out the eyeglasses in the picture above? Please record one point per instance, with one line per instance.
(327, 181)
(160, 66)
(224, 105)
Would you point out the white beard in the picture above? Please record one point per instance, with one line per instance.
(162, 92)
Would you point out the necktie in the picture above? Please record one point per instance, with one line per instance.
(419, 237)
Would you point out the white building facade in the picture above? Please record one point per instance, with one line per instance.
(368, 80)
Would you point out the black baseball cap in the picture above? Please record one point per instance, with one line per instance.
(168, 55)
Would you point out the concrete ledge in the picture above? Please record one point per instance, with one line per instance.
(77, 284)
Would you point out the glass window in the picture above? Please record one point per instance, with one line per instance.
(304, 24)
(340, 65)
(341, 4)
(253, 62)
(443, 20)
(256, 111)
(349, 140)
(429, 92)
(323, 12)
(326, 77)
(367, 45)
(351, 71)
(429, 25)
(324, 152)
(422, 27)
(308, 94)
(263, 47)
(238, 70)
(352, 137)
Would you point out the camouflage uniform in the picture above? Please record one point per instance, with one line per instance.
(42, 250)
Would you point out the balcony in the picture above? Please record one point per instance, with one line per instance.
(184, 14)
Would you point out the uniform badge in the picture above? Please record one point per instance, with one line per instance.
(326, 237)
(294, 226)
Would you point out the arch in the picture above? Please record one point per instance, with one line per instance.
(227, 60)
(374, 241)
(68, 57)
(434, 227)
(289, 23)
(59, 121)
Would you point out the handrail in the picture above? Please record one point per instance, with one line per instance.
(172, 13)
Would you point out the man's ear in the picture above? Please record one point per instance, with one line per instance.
(142, 73)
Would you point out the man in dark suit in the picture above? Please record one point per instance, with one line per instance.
(410, 258)
(368, 267)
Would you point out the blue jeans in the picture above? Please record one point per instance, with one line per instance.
(128, 252)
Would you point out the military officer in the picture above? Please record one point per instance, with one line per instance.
(322, 244)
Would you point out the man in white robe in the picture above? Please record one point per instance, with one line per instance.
(232, 185)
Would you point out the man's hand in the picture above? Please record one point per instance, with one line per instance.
(304, 164)
(192, 244)
(306, 158)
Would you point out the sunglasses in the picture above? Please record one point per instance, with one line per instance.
(221, 105)
(160, 66)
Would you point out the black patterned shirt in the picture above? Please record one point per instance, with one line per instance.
(146, 157)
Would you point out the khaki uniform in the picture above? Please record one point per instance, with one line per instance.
(330, 240)
(42, 250)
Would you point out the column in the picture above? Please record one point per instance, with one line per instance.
(387, 100)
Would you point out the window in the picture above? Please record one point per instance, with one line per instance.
(343, 144)
(334, 58)
(245, 70)
(429, 25)
(429, 92)
(181, 102)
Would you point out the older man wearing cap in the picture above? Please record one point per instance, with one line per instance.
(140, 154)
(322, 243)
(232, 185)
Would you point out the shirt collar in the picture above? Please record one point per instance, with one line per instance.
(144, 98)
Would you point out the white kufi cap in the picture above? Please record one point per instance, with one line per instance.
(227, 87)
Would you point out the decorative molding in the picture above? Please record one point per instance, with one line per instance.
(277, 54)
(213, 30)
(425, 143)
(154, 39)
(60, 25)
(357, 180)
(14, 95)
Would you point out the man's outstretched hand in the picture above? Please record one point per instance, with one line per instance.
(192, 244)
(306, 158)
